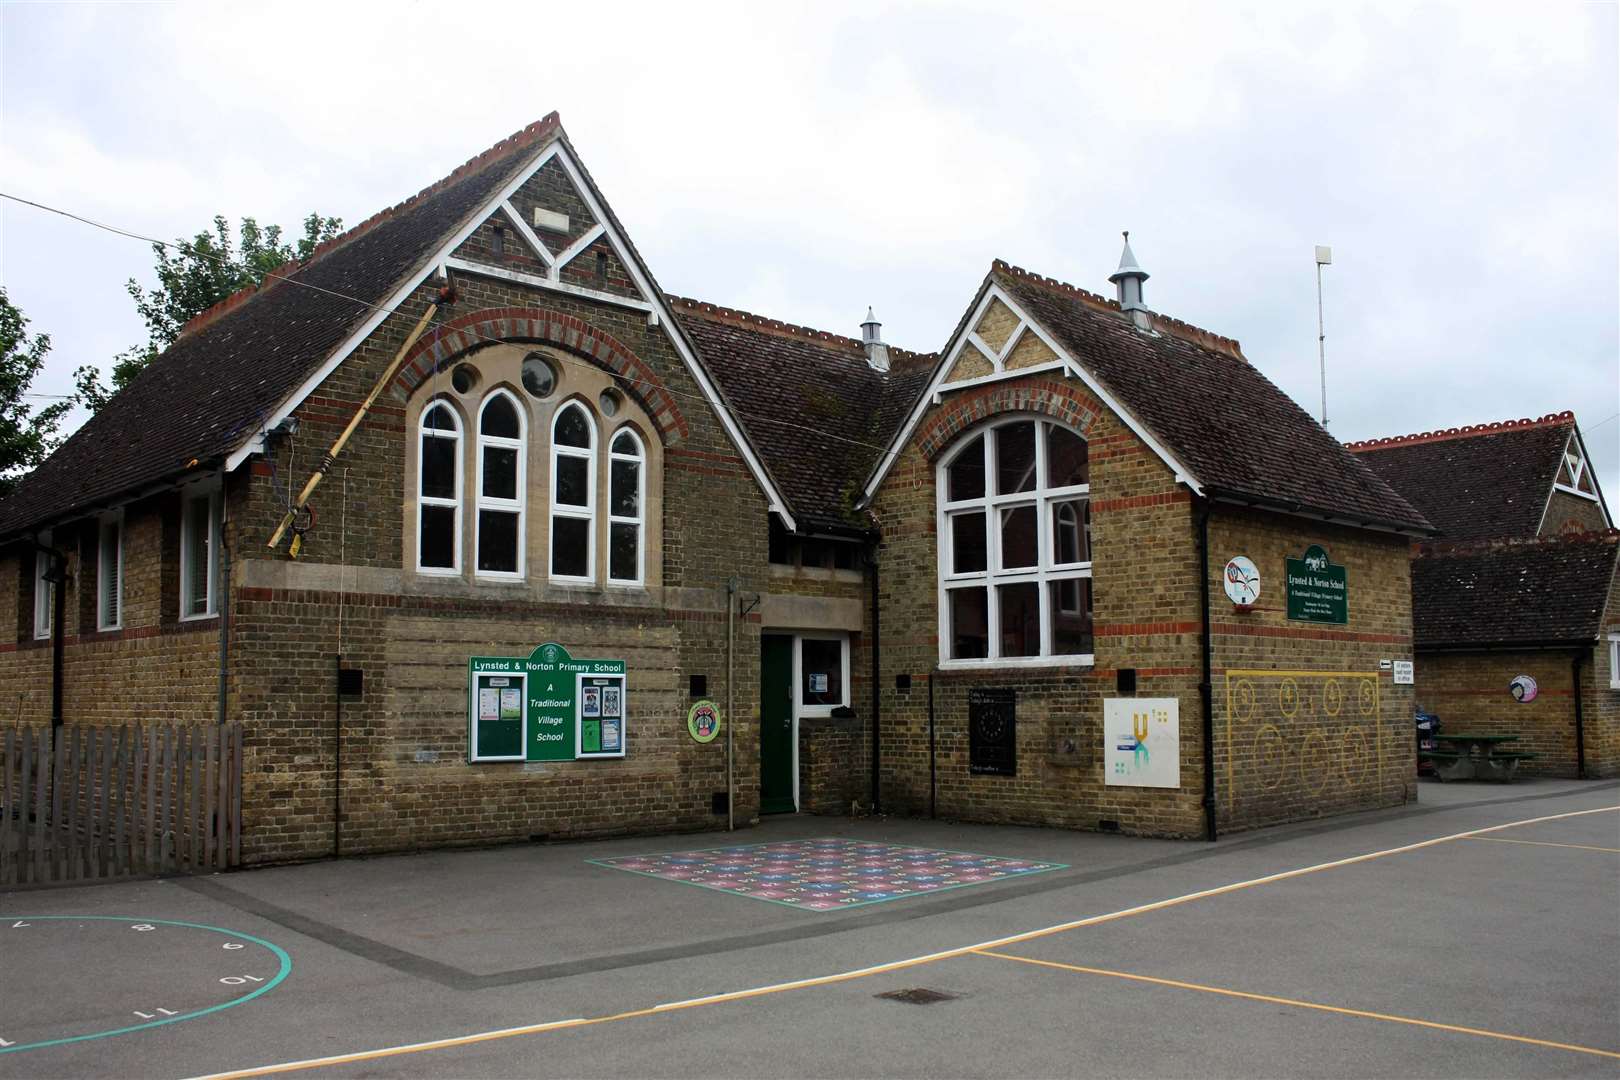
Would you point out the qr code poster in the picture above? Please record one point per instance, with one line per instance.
(1142, 742)
(612, 700)
(590, 701)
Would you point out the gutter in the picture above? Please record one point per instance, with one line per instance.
(1322, 513)
(1537, 645)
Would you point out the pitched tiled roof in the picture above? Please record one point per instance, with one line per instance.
(1234, 430)
(1525, 592)
(818, 412)
(208, 392)
(1481, 482)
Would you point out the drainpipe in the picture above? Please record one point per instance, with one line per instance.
(58, 612)
(1580, 719)
(731, 702)
(877, 795)
(933, 786)
(1205, 685)
(224, 594)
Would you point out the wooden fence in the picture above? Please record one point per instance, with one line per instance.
(82, 803)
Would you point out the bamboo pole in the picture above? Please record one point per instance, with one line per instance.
(354, 424)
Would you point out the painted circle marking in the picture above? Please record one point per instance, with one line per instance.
(1288, 698)
(281, 974)
(1322, 766)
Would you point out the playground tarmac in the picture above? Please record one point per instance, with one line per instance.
(1474, 934)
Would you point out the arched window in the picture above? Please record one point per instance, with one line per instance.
(573, 494)
(627, 496)
(438, 491)
(500, 486)
(1015, 546)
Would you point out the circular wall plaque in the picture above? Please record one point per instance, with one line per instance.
(1241, 580)
(1523, 689)
(703, 721)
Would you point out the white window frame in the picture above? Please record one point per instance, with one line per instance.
(587, 513)
(423, 432)
(518, 504)
(115, 520)
(189, 500)
(800, 709)
(991, 504)
(640, 518)
(1614, 661)
(44, 591)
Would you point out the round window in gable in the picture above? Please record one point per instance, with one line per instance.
(539, 375)
(609, 402)
(464, 378)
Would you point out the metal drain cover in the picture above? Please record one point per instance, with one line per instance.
(917, 995)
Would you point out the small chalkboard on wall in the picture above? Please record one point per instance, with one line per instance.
(993, 731)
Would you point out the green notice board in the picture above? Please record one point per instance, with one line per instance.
(1317, 589)
(547, 706)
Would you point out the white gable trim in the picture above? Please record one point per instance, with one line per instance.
(536, 281)
(938, 388)
(500, 202)
(777, 505)
(255, 443)
(1580, 446)
(529, 236)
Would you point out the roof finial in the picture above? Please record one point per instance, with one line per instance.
(1128, 280)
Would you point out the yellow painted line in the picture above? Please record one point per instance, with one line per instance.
(879, 969)
(1543, 843)
(1273, 1000)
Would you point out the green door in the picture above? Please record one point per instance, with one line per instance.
(776, 725)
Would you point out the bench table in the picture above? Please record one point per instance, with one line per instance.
(1474, 756)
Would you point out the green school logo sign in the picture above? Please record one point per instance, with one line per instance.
(545, 707)
(1317, 589)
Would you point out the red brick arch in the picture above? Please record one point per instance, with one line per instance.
(1062, 402)
(557, 329)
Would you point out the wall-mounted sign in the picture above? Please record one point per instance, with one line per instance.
(1317, 589)
(1523, 688)
(1142, 742)
(992, 731)
(703, 721)
(1241, 580)
(1403, 673)
(545, 707)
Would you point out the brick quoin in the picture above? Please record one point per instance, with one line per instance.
(547, 327)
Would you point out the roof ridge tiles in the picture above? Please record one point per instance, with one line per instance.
(1187, 331)
(1467, 431)
(518, 140)
(749, 319)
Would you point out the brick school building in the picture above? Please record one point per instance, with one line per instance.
(1519, 589)
(585, 557)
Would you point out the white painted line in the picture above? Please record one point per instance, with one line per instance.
(895, 965)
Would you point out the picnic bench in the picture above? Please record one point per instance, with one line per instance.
(1473, 756)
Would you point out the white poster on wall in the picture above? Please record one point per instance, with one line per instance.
(1142, 742)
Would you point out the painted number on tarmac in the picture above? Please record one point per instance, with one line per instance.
(17, 924)
(238, 980)
(153, 1016)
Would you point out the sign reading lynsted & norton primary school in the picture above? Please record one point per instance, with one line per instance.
(547, 706)
(1316, 588)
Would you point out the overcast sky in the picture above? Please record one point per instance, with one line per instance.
(803, 162)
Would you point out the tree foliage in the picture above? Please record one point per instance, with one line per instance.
(192, 277)
(27, 434)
